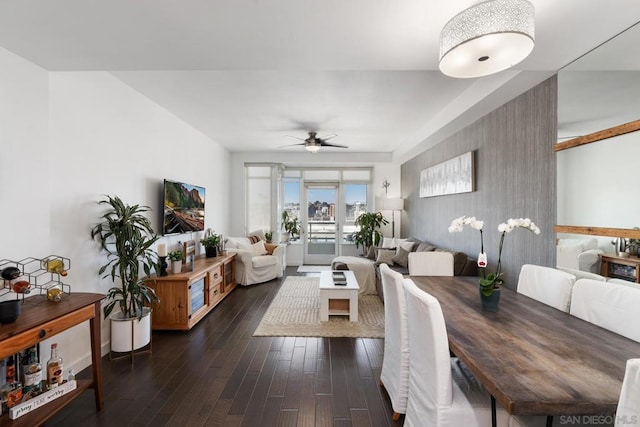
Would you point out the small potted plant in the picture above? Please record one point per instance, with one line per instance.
(291, 226)
(268, 235)
(211, 245)
(176, 261)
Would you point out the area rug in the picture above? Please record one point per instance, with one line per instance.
(313, 268)
(295, 312)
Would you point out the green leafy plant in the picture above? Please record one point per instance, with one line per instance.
(268, 235)
(175, 255)
(633, 245)
(126, 236)
(492, 281)
(290, 225)
(368, 234)
(211, 241)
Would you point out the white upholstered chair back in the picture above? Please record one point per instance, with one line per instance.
(547, 285)
(442, 392)
(430, 374)
(431, 263)
(395, 364)
(609, 305)
(629, 403)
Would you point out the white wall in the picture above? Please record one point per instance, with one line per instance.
(24, 191)
(76, 136)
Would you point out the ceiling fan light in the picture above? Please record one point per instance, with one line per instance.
(312, 148)
(486, 38)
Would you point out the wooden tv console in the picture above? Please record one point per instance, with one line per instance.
(187, 297)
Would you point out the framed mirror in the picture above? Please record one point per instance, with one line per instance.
(599, 183)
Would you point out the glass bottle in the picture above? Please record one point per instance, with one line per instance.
(12, 389)
(33, 372)
(54, 265)
(54, 294)
(54, 367)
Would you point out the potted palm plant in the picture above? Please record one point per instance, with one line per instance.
(126, 236)
(368, 233)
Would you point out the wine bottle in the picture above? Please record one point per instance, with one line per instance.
(21, 286)
(12, 389)
(33, 372)
(54, 266)
(54, 367)
(54, 294)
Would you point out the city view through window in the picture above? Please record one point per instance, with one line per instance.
(322, 209)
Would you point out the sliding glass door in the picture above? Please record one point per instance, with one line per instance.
(321, 223)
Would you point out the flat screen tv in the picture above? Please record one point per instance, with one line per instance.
(183, 208)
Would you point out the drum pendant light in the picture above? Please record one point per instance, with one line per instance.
(486, 38)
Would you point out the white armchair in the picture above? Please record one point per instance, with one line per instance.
(253, 262)
(579, 254)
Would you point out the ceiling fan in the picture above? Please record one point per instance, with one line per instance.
(314, 142)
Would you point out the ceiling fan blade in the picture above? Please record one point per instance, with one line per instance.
(291, 145)
(294, 137)
(326, 144)
(328, 137)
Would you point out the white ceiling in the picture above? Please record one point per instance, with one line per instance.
(601, 89)
(248, 72)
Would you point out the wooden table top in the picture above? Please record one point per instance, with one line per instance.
(534, 359)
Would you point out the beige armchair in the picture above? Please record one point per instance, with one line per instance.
(254, 263)
(579, 254)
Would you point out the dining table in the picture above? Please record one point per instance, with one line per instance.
(532, 358)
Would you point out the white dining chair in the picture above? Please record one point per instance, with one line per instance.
(547, 285)
(610, 305)
(628, 412)
(395, 363)
(431, 263)
(442, 392)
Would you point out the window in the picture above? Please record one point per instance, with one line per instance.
(258, 198)
(292, 197)
(356, 202)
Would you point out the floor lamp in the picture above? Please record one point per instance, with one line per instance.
(393, 205)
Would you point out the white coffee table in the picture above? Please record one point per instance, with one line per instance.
(338, 299)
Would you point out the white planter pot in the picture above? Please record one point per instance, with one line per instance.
(176, 267)
(125, 331)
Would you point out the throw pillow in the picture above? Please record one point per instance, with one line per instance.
(258, 248)
(388, 242)
(401, 257)
(258, 233)
(385, 256)
(425, 247)
(270, 247)
(407, 246)
(253, 239)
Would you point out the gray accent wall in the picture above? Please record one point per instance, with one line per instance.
(515, 178)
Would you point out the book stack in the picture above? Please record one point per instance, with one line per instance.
(339, 278)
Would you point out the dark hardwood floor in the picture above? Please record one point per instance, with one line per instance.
(218, 374)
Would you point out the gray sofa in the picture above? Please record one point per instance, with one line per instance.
(462, 264)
